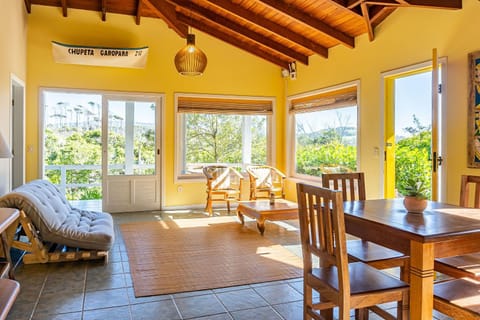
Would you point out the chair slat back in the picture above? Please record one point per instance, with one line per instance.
(322, 230)
(351, 184)
(264, 178)
(468, 182)
(222, 177)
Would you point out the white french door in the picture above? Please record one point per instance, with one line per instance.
(413, 117)
(131, 153)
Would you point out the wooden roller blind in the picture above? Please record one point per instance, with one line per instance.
(224, 105)
(326, 100)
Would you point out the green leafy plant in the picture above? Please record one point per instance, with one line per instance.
(415, 188)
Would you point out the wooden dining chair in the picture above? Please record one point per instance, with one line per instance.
(341, 284)
(9, 290)
(265, 180)
(352, 186)
(459, 298)
(464, 265)
(223, 184)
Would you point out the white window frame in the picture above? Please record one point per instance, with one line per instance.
(180, 177)
(291, 134)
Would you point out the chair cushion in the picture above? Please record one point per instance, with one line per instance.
(56, 220)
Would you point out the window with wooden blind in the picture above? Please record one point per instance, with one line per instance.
(231, 130)
(324, 131)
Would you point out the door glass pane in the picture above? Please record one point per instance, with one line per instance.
(131, 137)
(413, 130)
(72, 147)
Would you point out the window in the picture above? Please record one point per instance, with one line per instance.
(325, 132)
(229, 130)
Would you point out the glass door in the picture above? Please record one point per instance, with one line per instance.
(412, 130)
(131, 153)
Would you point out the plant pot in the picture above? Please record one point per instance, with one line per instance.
(414, 205)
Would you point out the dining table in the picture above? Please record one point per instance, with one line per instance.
(442, 230)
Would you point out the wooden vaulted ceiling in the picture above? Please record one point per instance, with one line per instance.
(279, 31)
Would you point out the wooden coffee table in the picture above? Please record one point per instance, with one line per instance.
(262, 210)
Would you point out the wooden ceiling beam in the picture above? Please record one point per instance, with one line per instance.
(242, 31)
(437, 4)
(310, 21)
(217, 33)
(378, 14)
(270, 26)
(28, 6)
(353, 3)
(104, 10)
(366, 16)
(64, 8)
(384, 3)
(166, 11)
(138, 16)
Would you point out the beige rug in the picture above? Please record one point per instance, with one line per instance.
(166, 257)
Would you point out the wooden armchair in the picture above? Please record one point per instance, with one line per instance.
(341, 284)
(265, 180)
(465, 265)
(352, 186)
(223, 184)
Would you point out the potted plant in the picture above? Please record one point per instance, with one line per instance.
(416, 195)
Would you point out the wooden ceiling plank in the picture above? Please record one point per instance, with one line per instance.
(366, 16)
(104, 10)
(64, 8)
(270, 26)
(28, 6)
(215, 32)
(166, 11)
(242, 31)
(139, 12)
(307, 19)
(438, 4)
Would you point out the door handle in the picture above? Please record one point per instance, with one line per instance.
(436, 161)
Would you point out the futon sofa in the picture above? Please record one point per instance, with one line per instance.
(49, 220)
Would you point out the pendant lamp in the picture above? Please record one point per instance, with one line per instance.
(190, 61)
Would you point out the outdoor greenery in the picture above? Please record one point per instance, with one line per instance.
(218, 139)
(214, 138)
(330, 150)
(75, 148)
(412, 161)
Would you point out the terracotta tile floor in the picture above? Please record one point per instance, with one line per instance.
(91, 290)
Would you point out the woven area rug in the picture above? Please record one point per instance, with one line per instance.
(167, 258)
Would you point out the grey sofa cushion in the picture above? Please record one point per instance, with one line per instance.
(57, 221)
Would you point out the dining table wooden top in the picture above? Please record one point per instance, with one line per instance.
(441, 230)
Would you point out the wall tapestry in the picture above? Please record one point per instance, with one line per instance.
(474, 110)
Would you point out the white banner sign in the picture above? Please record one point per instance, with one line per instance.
(100, 56)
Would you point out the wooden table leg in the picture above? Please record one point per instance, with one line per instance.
(261, 225)
(240, 217)
(421, 280)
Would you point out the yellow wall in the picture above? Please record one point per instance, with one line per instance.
(13, 50)
(229, 71)
(405, 38)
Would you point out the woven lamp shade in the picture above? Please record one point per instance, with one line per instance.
(190, 61)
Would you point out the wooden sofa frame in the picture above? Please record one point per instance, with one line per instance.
(38, 251)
